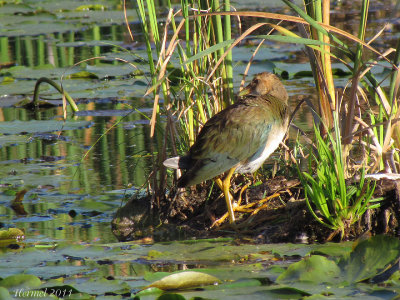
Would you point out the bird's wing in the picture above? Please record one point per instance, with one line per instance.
(230, 137)
(238, 131)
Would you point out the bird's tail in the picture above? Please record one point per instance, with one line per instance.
(172, 162)
(184, 163)
(179, 162)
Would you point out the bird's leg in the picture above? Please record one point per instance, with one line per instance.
(218, 181)
(220, 184)
(222, 219)
(228, 199)
(226, 183)
(239, 201)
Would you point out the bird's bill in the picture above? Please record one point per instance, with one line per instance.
(245, 91)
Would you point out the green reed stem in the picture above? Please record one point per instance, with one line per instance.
(361, 34)
(228, 58)
(71, 101)
(145, 29)
(396, 62)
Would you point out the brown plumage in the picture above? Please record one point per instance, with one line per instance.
(242, 136)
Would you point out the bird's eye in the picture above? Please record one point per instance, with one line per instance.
(256, 81)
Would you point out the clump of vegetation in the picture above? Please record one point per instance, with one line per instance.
(332, 200)
(339, 203)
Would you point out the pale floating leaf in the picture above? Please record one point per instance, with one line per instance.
(184, 280)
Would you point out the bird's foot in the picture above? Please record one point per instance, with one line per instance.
(221, 220)
(252, 208)
(255, 207)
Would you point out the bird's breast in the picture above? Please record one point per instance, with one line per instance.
(254, 162)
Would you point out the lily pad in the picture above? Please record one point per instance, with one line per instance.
(4, 294)
(370, 258)
(33, 25)
(20, 281)
(83, 74)
(6, 140)
(34, 126)
(49, 71)
(316, 269)
(96, 286)
(12, 234)
(100, 43)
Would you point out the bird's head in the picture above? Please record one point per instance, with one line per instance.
(265, 84)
